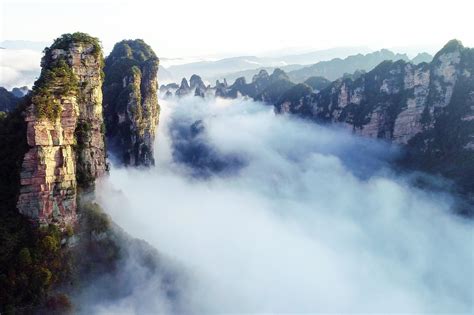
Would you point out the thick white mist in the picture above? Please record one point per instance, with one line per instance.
(19, 67)
(314, 221)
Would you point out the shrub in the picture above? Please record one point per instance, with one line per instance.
(65, 41)
(24, 257)
(49, 245)
(96, 220)
(42, 277)
(57, 79)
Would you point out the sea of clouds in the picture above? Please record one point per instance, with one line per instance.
(19, 67)
(295, 217)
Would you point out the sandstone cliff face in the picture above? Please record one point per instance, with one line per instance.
(131, 102)
(429, 108)
(64, 134)
(395, 101)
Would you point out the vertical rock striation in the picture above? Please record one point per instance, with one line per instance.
(131, 107)
(428, 107)
(396, 100)
(64, 133)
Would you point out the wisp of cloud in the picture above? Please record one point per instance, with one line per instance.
(19, 67)
(268, 213)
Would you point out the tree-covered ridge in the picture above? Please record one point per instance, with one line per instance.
(336, 68)
(317, 83)
(130, 101)
(57, 77)
(126, 57)
(428, 107)
(65, 41)
(56, 80)
(132, 49)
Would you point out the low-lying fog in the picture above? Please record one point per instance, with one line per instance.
(268, 213)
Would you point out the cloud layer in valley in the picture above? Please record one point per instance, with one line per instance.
(19, 67)
(309, 219)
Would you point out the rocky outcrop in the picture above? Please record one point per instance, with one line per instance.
(168, 87)
(427, 107)
(131, 108)
(197, 85)
(221, 88)
(422, 57)
(395, 101)
(317, 83)
(184, 88)
(64, 131)
(264, 87)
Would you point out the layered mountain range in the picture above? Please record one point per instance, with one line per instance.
(298, 69)
(55, 141)
(426, 107)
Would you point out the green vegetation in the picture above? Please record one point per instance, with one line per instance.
(65, 41)
(82, 133)
(26, 279)
(130, 74)
(98, 240)
(57, 79)
(294, 94)
(133, 49)
(391, 104)
(274, 91)
(95, 219)
(442, 148)
(317, 83)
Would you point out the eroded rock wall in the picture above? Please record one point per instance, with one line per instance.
(131, 102)
(64, 123)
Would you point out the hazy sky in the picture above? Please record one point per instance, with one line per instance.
(208, 27)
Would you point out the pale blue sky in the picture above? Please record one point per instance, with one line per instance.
(207, 27)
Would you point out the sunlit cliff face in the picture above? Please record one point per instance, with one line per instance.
(272, 214)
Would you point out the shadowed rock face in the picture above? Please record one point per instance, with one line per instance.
(390, 101)
(64, 131)
(131, 107)
(195, 85)
(427, 107)
(264, 87)
(184, 88)
(192, 148)
(8, 100)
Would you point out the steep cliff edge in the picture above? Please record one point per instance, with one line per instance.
(131, 107)
(427, 107)
(64, 131)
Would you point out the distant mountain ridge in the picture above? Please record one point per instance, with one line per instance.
(336, 68)
(212, 70)
(298, 67)
(8, 100)
(427, 107)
